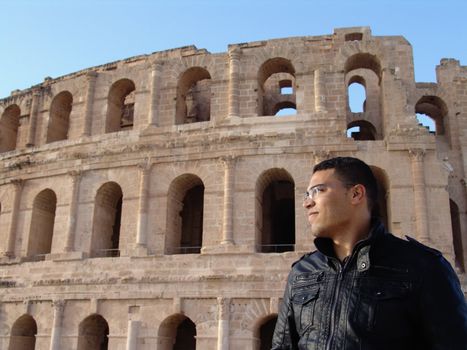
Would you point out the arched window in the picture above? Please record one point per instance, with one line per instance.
(265, 332)
(193, 96)
(23, 334)
(362, 74)
(42, 225)
(185, 215)
(276, 87)
(361, 130)
(106, 222)
(93, 333)
(275, 212)
(59, 120)
(121, 106)
(457, 236)
(434, 108)
(357, 97)
(177, 332)
(9, 123)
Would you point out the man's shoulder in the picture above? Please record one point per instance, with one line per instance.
(413, 252)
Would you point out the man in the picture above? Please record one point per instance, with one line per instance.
(364, 288)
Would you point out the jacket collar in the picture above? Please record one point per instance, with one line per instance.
(361, 249)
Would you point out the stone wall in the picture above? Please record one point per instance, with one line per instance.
(101, 169)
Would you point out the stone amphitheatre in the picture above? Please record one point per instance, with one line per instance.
(156, 202)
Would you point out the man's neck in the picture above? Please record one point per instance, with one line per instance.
(344, 244)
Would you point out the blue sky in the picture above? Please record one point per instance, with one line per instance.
(41, 38)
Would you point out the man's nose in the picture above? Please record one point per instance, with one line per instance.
(308, 203)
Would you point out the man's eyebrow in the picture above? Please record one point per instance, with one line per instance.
(314, 186)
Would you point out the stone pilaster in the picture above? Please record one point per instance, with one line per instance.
(418, 179)
(320, 91)
(91, 78)
(70, 234)
(141, 230)
(11, 239)
(33, 119)
(58, 306)
(156, 69)
(223, 306)
(228, 205)
(132, 337)
(234, 81)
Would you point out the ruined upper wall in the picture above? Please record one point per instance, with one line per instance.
(310, 75)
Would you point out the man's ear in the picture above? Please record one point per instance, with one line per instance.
(358, 193)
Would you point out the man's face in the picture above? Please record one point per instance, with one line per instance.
(330, 210)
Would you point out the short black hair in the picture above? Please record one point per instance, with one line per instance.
(353, 171)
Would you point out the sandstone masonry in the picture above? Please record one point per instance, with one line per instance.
(155, 202)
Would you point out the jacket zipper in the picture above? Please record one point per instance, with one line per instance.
(335, 296)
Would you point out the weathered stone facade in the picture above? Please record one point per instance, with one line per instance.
(156, 197)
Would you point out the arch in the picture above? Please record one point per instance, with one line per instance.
(264, 331)
(9, 124)
(193, 96)
(93, 333)
(435, 108)
(274, 76)
(365, 61)
(106, 221)
(457, 236)
(59, 120)
(185, 207)
(275, 211)
(177, 332)
(42, 224)
(23, 334)
(365, 130)
(382, 208)
(285, 108)
(120, 106)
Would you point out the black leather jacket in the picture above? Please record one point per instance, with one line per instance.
(389, 294)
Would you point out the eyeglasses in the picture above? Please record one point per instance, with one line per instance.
(314, 191)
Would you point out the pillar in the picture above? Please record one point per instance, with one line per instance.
(33, 119)
(58, 306)
(229, 180)
(156, 69)
(17, 189)
(418, 179)
(72, 213)
(223, 330)
(234, 81)
(91, 78)
(320, 91)
(141, 230)
(132, 337)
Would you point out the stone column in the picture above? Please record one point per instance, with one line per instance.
(141, 231)
(234, 81)
(418, 179)
(223, 306)
(156, 69)
(70, 234)
(91, 78)
(58, 306)
(17, 189)
(33, 118)
(132, 337)
(229, 180)
(320, 91)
